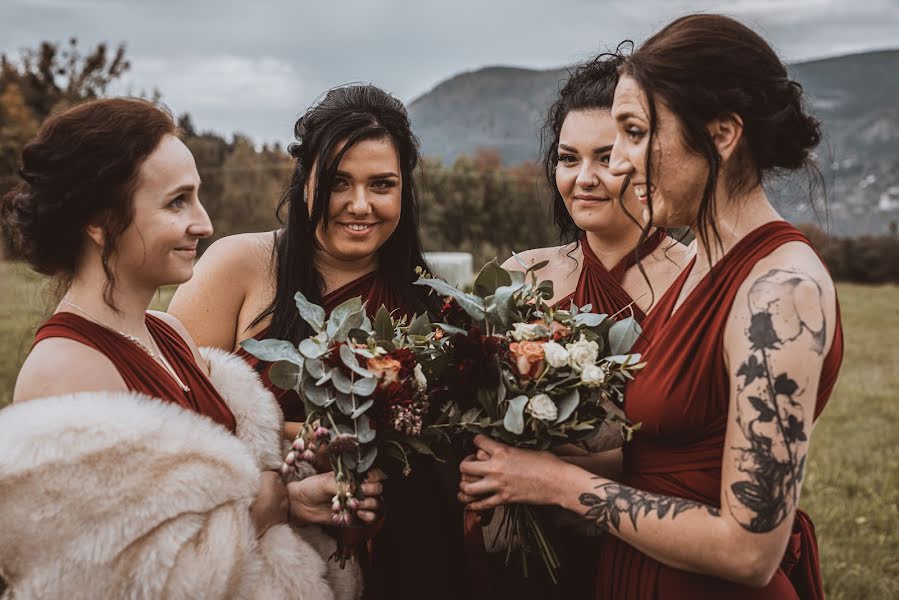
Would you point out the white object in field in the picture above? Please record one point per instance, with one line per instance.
(453, 267)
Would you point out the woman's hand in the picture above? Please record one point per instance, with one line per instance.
(499, 474)
(271, 505)
(311, 498)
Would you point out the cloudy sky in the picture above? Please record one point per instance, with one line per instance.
(255, 66)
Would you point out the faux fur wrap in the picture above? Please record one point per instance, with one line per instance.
(118, 495)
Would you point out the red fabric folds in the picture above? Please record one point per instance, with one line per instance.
(140, 372)
(681, 400)
(601, 287)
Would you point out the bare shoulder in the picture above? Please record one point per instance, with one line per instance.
(538, 255)
(242, 253)
(229, 277)
(562, 268)
(62, 366)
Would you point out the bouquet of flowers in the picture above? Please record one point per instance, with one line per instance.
(365, 394)
(530, 375)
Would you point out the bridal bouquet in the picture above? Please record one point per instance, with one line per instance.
(530, 375)
(365, 394)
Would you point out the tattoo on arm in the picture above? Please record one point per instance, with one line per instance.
(768, 412)
(612, 500)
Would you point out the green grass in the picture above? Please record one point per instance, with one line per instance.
(852, 487)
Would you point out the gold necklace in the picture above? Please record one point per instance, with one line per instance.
(158, 357)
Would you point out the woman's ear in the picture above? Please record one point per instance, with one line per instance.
(726, 132)
(97, 234)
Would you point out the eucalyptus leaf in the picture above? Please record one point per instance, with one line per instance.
(273, 350)
(546, 288)
(313, 348)
(314, 394)
(514, 419)
(368, 459)
(349, 359)
(471, 304)
(567, 405)
(345, 403)
(341, 313)
(284, 374)
(537, 266)
(358, 335)
(315, 367)
(341, 382)
(624, 359)
(363, 430)
(365, 386)
(420, 325)
(349, 459)
(588, 319)
(383, 325)
(491, 277)
(361, 409)
(623, 334)
(311, 313)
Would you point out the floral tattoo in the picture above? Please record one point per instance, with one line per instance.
(613, 500)
(787, 314)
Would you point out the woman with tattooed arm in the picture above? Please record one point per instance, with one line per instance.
(742, 350)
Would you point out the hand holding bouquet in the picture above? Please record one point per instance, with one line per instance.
(530, 375)
(364, 391)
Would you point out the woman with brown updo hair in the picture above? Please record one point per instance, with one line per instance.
(171, 449)
(742, 351)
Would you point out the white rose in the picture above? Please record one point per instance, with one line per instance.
(420, 378)
(593, 375)
(542, 407)
(525, 331)
(555, 354)
(582, 353)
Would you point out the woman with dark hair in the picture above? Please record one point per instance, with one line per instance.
(742, 352)
(169, 461)
(351, 230)
(605, 260)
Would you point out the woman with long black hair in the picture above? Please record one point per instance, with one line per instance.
(351, 230)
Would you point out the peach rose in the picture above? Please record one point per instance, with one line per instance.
(385, 368)
(528, 358)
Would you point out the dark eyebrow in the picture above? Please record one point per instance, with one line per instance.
(186, 188)
(375, 176)
(625, 116)
(599, 150)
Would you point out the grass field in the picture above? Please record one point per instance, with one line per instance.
(852, 487)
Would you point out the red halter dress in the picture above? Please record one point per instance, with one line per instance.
(140, 372)
(681, 399)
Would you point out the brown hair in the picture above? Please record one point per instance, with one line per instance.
(80, 169)
(706, 66)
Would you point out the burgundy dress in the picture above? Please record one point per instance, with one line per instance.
(142, 373)
(681, 398)
(601, 288)
(418, 550)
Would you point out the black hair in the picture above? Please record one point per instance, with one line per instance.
(344, 116)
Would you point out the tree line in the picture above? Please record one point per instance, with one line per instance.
(477, 204)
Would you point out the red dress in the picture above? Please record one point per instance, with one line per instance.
(142, 373)
(601, 287)
(681, 398)
(418, 549)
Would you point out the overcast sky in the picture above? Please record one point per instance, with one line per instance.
(253, 66)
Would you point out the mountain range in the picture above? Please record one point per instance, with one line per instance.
(856, 97)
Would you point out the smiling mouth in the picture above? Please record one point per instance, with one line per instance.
(583, 198)
(359, 227)
(640, 190)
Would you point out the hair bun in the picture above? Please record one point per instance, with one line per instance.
(791, 132)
